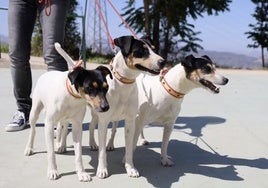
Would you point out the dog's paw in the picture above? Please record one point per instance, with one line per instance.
(61, 149)
(28, 151)
(166, 161)
(144, 142)
(102, 173)
(53, 174)
(84, 177)
(132, 172)
(93, 147)
(110, 146)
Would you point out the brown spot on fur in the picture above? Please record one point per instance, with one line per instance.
(96, 102)
(132, 61)
(93, 101)
(95, 84)
(194, 75)
(104, 85)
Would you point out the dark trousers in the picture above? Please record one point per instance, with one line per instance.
(21, 20)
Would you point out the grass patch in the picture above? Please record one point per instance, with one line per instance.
(99, 58)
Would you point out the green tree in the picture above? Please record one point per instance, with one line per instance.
(166, 22)
(259, 32)
(72, 38)
(37, 40)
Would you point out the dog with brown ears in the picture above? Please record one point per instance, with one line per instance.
(135, 56)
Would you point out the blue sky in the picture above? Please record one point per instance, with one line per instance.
(224, 32)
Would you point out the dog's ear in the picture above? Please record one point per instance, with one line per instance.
(124, 43)
(206, 57)
(105, 71)
(76, 77)
(188, 61)
(149, 41)
(146, 37)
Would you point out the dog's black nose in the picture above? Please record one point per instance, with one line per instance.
(161, 63)
(105, 108)
(225, 81)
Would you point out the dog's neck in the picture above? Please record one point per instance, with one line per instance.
(176, 79)
(71, 90)
(120, 66)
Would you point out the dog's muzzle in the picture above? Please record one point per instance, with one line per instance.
(104, 106)
(161, 63)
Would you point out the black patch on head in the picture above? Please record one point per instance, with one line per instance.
(93, 84)
(206, 57)
(105, 71)
(81, 77)
(128, 45)
(187, 62)
(140, 50)
(77, 77)
(148, 41)
(192, 63)
(125, 44)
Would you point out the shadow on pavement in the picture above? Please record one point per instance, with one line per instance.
(189, 158)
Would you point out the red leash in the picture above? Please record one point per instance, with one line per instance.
(47, 6)
(111, 41)
(123, 20)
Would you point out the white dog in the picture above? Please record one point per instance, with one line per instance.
(64, 96)
(135, 56)
(160, 100)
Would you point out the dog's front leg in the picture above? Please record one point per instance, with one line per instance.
(102, 171)
(94, 121)
(129, 139)
(110, 145)
(165, 159)
(52, 171)
(77, 139)
(61, 137)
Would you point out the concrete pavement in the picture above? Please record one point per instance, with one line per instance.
(218, 141)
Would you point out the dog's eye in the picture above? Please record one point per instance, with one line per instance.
(90, 91)
(207, 69)
(141, 53)
(138, 53)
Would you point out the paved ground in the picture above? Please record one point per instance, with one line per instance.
(218, 141)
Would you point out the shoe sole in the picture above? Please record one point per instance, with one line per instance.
(15, 128)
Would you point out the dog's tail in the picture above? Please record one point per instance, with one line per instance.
(69, 60)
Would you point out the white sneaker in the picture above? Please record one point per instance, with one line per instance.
(18, 123)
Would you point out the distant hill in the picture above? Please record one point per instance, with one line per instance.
(233, 60)
(222, 59)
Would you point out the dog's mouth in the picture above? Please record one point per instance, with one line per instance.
(152, 71)
(209, 85)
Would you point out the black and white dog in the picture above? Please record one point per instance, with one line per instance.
(160, 101)
(64, 97)
(135, 56)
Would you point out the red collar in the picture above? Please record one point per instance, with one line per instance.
(70, 90)
(120, 78)
(168, 88)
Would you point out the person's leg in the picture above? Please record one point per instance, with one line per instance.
(53, 26)
(21, 20)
